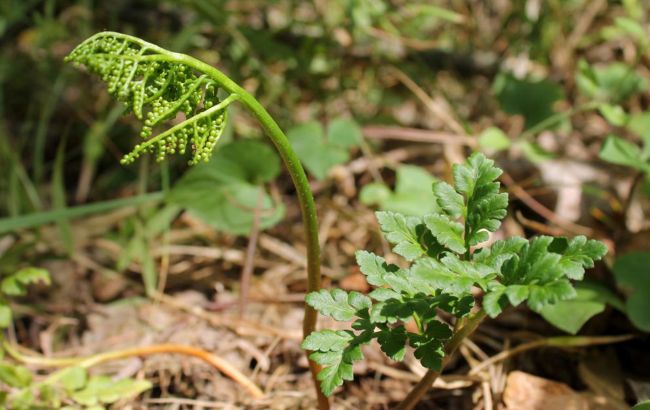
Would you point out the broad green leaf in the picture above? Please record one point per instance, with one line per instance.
(534, 152)
(105, 390)
(450, 201)
(318, 155)
(449, 233)
(633, 28)
(73, 378)
(494, 140)
(256, 159)
(534, 99)
(618, 151)
(570, 315)
(640, 125)
(23, 399)
(614, 114)
(338, 304)
(631, 272)
(15, 375)
(5, 315)
(344, 132)
(327, 340)
(375, 193)
(400, 231)
(614, 83)
(225, 192)
(412, 195)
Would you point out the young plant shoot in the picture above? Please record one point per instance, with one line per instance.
(158, 86)
(447, 259)
(445, 250)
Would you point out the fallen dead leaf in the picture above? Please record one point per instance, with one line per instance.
(527, 392)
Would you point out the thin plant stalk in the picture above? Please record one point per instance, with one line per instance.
(169, 348)
(292, 164)
(423, 386)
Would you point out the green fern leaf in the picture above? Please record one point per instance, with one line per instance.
(485, 206)
(157, 86)
(338, 304)
(401, 231)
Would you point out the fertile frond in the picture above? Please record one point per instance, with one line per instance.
(158, 86)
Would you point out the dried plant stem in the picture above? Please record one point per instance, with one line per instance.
(425, 384)
(560, 341)
(86, 362)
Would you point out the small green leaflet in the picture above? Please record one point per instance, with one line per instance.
(16, 284)
(328, 340)
(105, 390)
(450, 201)
(393, 342)
(429, 347)
(538, 271)
(338, 304)
(578, 254)
(499, 252)
(621, 152)
(437, 276)
(336, 351)
(401, 231)
(449, 233)
(374, 267)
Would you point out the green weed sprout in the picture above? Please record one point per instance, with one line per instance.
(158, 86)
(443, 271)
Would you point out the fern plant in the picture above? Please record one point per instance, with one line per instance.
(160, 86)
(442, 272)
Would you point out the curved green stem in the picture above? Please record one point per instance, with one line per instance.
(272, 130)
(299, 178)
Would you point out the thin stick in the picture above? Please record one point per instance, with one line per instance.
(561, 341)
(215, 361)
(247, 270)
(418, 135)
(540, 209)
